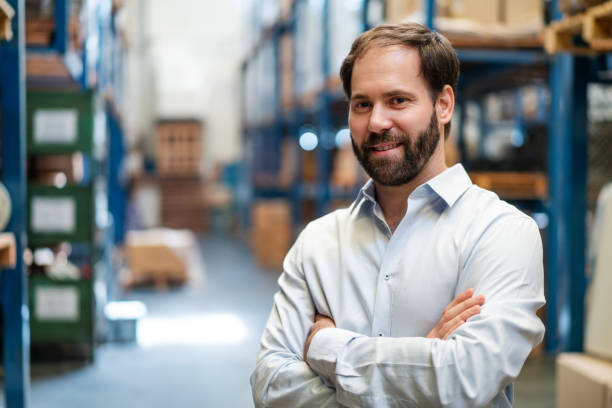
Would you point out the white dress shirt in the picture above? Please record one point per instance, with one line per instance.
(385, 291)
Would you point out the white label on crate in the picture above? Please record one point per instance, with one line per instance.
(55, 126)
(53, 214)
(56, 303)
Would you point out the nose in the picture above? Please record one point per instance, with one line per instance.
(380, 120)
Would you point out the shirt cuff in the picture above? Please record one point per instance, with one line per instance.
(325, 348)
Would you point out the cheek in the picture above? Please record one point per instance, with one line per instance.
(358, 124)
(414, 120)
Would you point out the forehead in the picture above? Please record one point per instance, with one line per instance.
(388, 66)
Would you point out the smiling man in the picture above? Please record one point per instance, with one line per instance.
(382, 304)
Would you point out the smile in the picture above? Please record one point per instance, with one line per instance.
(385, 147)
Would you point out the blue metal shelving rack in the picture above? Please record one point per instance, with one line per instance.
(567, 123)
(568, 200)
(14, 281)
(567, 79)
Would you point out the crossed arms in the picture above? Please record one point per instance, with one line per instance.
(471, 367)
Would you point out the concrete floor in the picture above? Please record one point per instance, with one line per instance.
(200, 347)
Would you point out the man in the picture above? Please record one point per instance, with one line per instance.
(357, 319)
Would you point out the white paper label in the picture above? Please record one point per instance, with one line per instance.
(57, 303)
(53, 214)
(55, 126)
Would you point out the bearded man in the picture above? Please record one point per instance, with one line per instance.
(383, 304)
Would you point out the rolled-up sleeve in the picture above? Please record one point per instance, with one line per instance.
(475, 364)
(281, 377)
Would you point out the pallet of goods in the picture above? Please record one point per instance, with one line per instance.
(478, 23)
(584, 33)
(161, 257)
(178, 157)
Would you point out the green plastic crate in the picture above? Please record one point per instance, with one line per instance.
(60, 214)
(61, 310)
(59, 122)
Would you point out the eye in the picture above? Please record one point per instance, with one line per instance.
(361, 106)
(399, 100)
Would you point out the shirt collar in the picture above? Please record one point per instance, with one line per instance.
(448, 185)
(366, 193)
(451, 184)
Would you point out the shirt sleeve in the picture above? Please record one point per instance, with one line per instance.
(281, 377)
(471, 367)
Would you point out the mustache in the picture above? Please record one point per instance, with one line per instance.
(385, 137)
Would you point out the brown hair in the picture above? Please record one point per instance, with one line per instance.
(439, 62)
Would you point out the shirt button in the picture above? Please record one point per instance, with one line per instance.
(387, 277)
(380, 334)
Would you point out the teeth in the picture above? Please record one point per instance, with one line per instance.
(383, 148)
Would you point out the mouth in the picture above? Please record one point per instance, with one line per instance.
(384, 147)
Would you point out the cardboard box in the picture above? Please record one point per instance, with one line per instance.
(480, 11)
(178, 148)
(159, 256)
(523, 13)
(398, 10)
(271, 233)
(598, 331)
(583, 381)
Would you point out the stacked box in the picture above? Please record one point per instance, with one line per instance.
(158, 255)
(583, 381)
(182, 204)
(482, 11)
(49, 169)
(178, 148)
(271, 233)
(518, 16)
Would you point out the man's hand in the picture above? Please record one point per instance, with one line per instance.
(454, 315)
(321, 322)
(464, 306)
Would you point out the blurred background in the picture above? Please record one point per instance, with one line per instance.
(158, 158)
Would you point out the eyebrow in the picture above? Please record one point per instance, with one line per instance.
(395, 92)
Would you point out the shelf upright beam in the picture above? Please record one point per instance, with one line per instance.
(60, 40)
(323, 119)
(13, 294)
(567, 186)
(430, 13)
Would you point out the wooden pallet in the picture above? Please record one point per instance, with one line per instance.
(594, 27)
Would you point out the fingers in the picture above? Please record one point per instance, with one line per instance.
(465, 304)
(466, 294)
(449, 327)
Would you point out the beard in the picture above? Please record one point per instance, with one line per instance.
(392, 171)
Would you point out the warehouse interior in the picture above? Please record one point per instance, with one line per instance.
(159, 159)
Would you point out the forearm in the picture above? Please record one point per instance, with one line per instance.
(468, 370)
(282, 381)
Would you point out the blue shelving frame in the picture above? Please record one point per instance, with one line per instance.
(14, 299)
(567, 78)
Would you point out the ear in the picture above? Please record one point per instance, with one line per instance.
(445, 104)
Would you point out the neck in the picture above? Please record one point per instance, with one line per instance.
(394, 199)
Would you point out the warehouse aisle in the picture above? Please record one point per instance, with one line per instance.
(199, 347)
